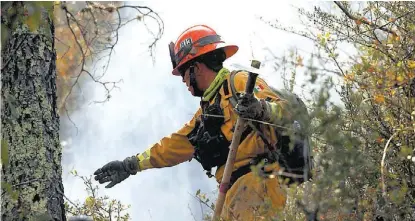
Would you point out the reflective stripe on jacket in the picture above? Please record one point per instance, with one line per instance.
(176, 148)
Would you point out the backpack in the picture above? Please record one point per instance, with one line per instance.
(293, 150)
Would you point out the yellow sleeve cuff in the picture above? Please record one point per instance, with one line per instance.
(144, 160)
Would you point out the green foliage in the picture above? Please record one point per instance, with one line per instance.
(365, 145)
(100, 208)
(8, 188)
(42, 217)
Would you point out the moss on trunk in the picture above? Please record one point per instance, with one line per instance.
(32, 175)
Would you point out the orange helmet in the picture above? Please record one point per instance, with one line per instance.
(194, 42)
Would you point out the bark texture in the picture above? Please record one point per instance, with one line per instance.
(31, 178)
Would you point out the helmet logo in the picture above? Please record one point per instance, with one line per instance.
(185, 42)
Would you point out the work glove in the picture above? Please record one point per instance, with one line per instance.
(117, 171)
(250, 107)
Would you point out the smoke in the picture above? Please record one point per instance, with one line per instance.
(151, 104)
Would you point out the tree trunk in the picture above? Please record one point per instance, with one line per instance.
(31, 154)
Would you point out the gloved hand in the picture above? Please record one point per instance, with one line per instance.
(117, 171)
(250, 107)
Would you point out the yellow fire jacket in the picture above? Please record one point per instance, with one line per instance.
(250, 197)
(176, 148)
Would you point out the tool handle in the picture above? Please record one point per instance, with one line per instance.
(250, 84)
(239, 127)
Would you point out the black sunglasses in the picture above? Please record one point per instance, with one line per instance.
(192, 69)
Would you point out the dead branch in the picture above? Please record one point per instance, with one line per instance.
(102, 40)
(347, 13)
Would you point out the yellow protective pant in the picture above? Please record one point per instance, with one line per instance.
(253, 198)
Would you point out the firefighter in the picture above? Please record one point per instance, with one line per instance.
(197, 57)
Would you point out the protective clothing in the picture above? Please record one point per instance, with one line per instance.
(206, 137)
(177, 147)
(293, 152)
(117, 171)
(252, 197)
(194, 42)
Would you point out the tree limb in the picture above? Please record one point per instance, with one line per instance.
(382, 164)
(347, 13)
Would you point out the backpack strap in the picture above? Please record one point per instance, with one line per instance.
(243, 170)
(234, 101)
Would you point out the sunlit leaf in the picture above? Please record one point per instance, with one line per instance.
(371, 69)
(349, 77)
(327, 35)
(300, 61)
(89, 201)
(400, 78)
(379, 98)
(380, 140)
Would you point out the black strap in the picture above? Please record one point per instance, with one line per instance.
(252, 126)
(234, 101)
(172, 56)
(245, 134)
(193, 82)
(247, 168)
(225, 87)
(185, 50)
(238, 173)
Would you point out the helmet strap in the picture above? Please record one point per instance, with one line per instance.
(193, 82)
